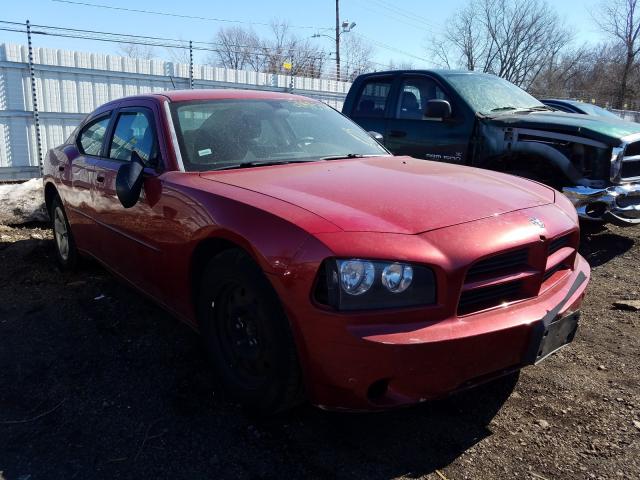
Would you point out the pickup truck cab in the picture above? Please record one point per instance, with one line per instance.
(481, 120)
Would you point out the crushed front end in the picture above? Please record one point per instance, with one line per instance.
(599, 174)
(619, 202)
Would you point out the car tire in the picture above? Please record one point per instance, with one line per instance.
(247, 335)
(66, 251)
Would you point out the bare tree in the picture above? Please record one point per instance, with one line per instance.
(305, 58)
(514, 39)
(356, 57)
(240, 48)
(563, 74)
(179, 54)
(236, 47)
(621, 20)
(135, 50)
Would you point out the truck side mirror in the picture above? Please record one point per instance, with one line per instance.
(438, 109)
(376, 136)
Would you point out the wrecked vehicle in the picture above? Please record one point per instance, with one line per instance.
(314, 263)
(575, 106)
(481, 120)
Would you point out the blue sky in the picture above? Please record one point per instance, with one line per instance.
(398, 34)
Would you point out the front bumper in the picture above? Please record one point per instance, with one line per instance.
(380, 366)
(618, 204)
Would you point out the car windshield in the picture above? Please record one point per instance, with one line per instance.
(223, 134)
(596, 110)
(489, 94)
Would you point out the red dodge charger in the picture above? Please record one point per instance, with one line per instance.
(316, 265)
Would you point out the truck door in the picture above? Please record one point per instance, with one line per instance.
(372, 105)
(409, 132)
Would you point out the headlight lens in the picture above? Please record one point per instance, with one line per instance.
(356, 276)
(357, 284)
(397, 277)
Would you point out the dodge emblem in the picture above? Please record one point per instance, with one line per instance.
(537, 222)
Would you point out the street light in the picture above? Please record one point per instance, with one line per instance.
(346, 27)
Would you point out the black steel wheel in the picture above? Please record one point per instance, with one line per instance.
(247, 335)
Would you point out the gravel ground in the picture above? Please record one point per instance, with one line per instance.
(97, 382)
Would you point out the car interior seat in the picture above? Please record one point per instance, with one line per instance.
(409, 106)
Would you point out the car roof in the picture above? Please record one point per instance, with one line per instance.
(212, 94)
(436, 71)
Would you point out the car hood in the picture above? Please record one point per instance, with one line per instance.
(390, 194)
(603, 129)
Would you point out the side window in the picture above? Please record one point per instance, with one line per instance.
(414, 95)
(92, 135)
(134, 131)
(372, 100)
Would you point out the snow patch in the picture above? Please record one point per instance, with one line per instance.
(22, 203)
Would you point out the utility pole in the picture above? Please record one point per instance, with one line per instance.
(338, 40)
(341, 27)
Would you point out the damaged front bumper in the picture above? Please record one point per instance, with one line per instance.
(617, 204)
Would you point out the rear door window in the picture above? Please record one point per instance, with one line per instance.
(92, 135)
(372, 100)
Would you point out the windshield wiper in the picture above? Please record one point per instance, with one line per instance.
(259, 164)
(346, 155)
(540, 108)
(501, 109)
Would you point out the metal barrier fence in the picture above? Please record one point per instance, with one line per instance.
(70, 84)
(628, 115)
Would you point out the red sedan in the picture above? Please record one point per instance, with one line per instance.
(314, 263)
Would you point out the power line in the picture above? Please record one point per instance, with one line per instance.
(152, 41)
(407, 13)
(143, 40)
(179, 15)
(397, 16)
(391, 48)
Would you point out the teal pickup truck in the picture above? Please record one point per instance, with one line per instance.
(483, 121)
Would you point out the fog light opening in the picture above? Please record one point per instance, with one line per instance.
(377, 390)
(596, 209)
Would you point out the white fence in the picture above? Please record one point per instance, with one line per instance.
(71, 84)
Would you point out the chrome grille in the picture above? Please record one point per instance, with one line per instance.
(630, 167)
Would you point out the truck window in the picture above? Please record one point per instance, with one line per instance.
(372, 100)
(415, 94)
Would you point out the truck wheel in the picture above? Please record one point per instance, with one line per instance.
(66, 251)
(247, 335)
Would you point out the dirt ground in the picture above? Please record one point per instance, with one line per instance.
(97, 382)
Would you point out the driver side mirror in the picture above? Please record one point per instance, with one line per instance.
(129, 181)
(438, 109)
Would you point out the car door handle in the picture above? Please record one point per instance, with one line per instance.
(100, 179)
(397, 133)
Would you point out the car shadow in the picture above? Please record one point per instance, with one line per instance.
(601, 248)
(98, 382)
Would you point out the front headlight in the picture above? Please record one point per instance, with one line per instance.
(617, 154)
(356, 276)
(357, 284)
